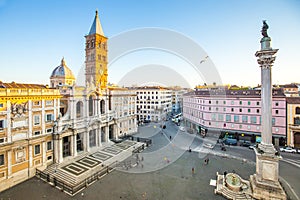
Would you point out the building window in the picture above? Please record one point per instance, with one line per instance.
(232, 102)
(217, 109)
(232, 125)
(209, 108)
(257, 110)
(241, 110)
(241, 102)
(49, 117)
(209, 102)
(1, 105)
(249, 127)
(224, 109)
(217, 102)
(213, 116)
(49, 102)
(253, 119)
(36, 120)
(236, 118)
(37, 149)
(257, 103)
(273, 121)
(36, 132)
(49, 130)
(228, 118)
(2, 159)
(297, 110)
(232, 109)
(297, 121)
(2, 124)
(244, 119)
(249, 110)
(241, 126)
(249, 103)
(276, 103)
(276, 111)
(224, 102)
(276, 129)
(220, 117)
(49, 145)
(36, 103)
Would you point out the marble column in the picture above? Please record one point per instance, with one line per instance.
(264, 182)
(60, 151)
(266, 59)
(74, 147)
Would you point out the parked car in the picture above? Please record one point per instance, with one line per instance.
(246, 144)
(288, 149)
(230, 141)
(252, 146)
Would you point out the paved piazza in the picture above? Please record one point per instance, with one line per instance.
(173, 182)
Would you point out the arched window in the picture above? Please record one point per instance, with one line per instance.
(79, 109)
(297, 110)
(102, 106)
(91, 105)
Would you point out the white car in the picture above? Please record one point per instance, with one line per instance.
(288, 149)
(181, 128)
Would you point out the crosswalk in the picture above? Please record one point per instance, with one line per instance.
(292, 162)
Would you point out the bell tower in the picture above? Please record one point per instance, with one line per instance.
(96, 55)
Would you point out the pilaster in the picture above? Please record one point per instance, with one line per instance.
(8, 120)
(9, 164)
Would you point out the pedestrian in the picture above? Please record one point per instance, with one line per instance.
(207, 160)
(170, 137)
(193, 170)
(225, 173)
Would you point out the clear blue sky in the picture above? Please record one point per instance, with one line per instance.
(36, 34)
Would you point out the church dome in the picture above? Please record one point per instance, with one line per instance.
(62, 71)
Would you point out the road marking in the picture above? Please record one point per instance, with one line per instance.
(294, 193)
(292, 162)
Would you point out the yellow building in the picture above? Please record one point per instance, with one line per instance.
(27, 113)
(293, 121)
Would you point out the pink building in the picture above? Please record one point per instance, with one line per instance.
(236, 112)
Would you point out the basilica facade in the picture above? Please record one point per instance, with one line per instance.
(41, 125)
(95, 114)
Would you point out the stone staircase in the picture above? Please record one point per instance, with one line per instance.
(235, 195)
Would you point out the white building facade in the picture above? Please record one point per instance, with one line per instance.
(153, 103)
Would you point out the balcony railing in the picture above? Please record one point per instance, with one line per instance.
(28, 92)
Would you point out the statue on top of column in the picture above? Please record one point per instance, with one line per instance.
(264, 29)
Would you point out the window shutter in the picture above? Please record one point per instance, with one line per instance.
(52, 117)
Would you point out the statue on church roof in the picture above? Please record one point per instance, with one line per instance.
(264, 29)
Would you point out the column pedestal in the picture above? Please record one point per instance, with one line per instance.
(264, 183)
